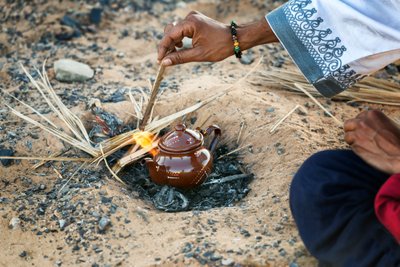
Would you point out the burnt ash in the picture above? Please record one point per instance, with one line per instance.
(226, 185)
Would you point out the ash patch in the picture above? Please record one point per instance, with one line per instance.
(226, 185)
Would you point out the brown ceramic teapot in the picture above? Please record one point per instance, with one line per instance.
(182, 160)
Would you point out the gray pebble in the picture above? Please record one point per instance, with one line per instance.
(68, 70)
(62, 223)
(227, 262)
(15, 223)
(104, 223)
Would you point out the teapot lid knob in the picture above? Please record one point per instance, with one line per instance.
(180, 127)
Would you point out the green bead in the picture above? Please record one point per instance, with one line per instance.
(237, 48)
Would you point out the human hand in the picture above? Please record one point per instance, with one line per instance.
(211, 40)
(376, 139)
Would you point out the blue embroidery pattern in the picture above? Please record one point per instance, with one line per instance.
(325, 51)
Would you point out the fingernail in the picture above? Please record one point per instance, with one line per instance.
(167, 62)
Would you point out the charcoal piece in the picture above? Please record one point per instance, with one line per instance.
(70, 22)
(117, 96)
(6, 153)
(170, 199)
(95, 15)
(107, 124)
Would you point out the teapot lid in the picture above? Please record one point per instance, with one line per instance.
(181, 139)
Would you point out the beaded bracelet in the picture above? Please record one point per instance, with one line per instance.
(236, 48)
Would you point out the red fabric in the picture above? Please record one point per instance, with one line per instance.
(387, 205)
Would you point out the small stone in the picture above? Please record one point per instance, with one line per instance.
(23, 254)
(227, 262)
(293, 264)
(42, 187)
(68, 70)
(104, 223)
(62, 223)
(269, 110)
(247, 59)
(215, 257)
(187, 43)
(15, 223)
(106, 200)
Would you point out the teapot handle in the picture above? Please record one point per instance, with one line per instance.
(217, 135)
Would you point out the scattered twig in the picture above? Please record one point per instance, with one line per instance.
(242, 124)
(283, 119)
(318, 103)
(58, 173)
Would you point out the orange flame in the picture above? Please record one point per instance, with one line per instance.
(146, 140)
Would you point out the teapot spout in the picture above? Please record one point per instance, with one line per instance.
(149, 163)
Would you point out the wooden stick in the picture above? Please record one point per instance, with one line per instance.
(154, 91)
(273, 128)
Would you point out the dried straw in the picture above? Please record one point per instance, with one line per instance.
(369, 89)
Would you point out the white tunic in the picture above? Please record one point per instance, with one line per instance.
(336, 42)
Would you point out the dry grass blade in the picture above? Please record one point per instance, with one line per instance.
(57, 133)
(234, 151)
(319, 104)
(72, 176)
(42, 162)
(273, 128)
(108, 167)
(47, 158)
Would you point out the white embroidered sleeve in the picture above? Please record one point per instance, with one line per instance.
(336, 42)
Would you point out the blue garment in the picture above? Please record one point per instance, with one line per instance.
(332, 201)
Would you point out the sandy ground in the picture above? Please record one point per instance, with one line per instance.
(139, 234)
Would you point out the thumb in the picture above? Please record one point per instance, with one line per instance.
(181, 56)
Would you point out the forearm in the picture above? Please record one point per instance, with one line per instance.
(255, 33)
